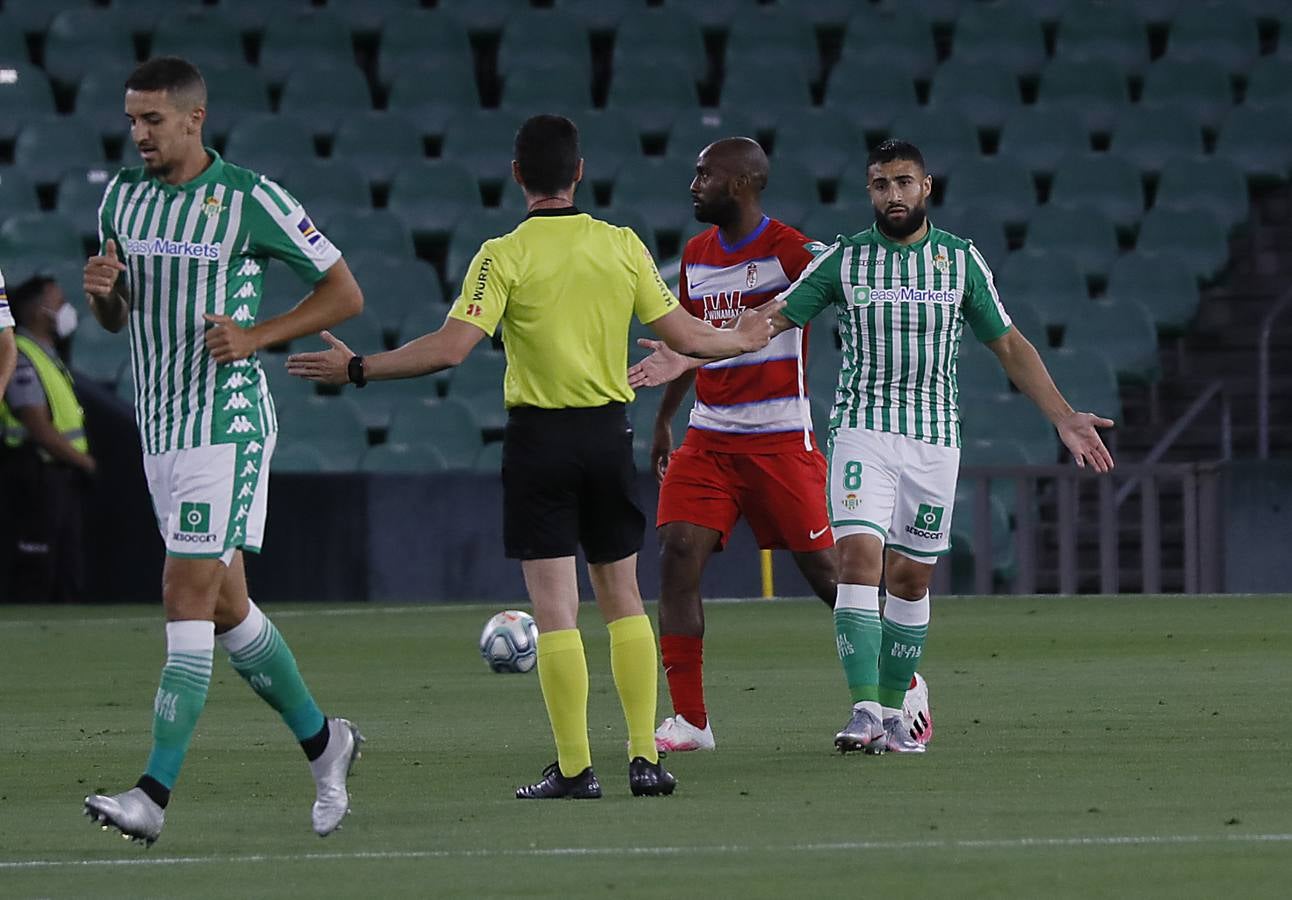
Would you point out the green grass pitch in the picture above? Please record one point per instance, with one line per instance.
(1085, 747)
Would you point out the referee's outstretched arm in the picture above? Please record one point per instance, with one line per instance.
(429, 353)
(693, 336)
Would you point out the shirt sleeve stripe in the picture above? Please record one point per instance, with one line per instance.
(990, 282)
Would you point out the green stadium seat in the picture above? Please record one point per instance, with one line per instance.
(296, 457)
(379, 143)
(490, 458)
(434, 98)
(13, 46)
(1107, 34)
(34, 16)
(328, 188)
(80, 191)
(422, 319)
(249, 16)
(269, 144)
(1155, 13)
(658, 188)
(981, 223)
(653, 98)
(556, 86)
(628, 217)
(1004, 491)
(1094, 94)
(488, 406)
(1167, 291)
(1009, 417)
(331, 425)
(85, 40)
(382, 398)
(944, 137)
(368, 17)
(1269, 84)
(534, 38)
(1085, 236)
(305, 38)
(483, 16)
(869, 93)
(403, 458)
(1123, 331)
(963, 535)
(482, 141)
(782, 36)
(1103, 182)
(379, 231)
(607, 141)
(48, 147)
(825, 223)
(326, 95)
(899, 37)
(100, 97)
(433, 196)
(1258, 142)
(1196, 243)
(394, 288)
(978, 372)
(1006, 35)
(17, 193)
(1210, 184)
(1050, 282)
(791, 192)
(418, 40)
(1197, 89)
(1218, 33)
(202, 35)
(25, 97)
(106, 364)
(818, 140)
(1149, 136)
(282, 290)
(983, 92)
(466, 239)
(284, 388)
(747, 90)
(448, 424)
(993, 182)
(1040, 136)
(601, 17)
(668, 38)
(699, 128)
(715, 16)
(362, 333)
(234, 92)
(1027, 321)
(1087, 380)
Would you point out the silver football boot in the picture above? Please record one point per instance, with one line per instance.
(864, 731)
(898, 739)
(332, 800)
(133, 813)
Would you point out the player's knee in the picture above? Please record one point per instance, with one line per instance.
(908, 579)
(861, 560)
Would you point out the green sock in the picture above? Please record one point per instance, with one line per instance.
(906, 624)
(180, 696)
(857, 634)
(261, 656)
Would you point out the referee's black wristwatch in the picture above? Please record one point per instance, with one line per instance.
(354, 371)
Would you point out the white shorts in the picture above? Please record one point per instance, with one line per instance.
(211, 501)
(899, 489)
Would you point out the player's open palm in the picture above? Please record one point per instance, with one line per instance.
(662, 366)
(330, 366)
(101, 272)
(1080, 434)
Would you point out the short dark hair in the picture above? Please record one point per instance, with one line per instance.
(171, 74)
(892, 150)
(24, 297)
(547, 153)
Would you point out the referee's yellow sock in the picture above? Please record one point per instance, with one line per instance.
(563, 675)
(636, 669)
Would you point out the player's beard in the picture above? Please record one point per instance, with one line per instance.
(720, 211)
(913, 222)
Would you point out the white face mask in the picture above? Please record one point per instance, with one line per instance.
(65, 320)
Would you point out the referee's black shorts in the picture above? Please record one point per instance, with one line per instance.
(568, 479)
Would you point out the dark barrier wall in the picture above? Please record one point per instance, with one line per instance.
(1257, 507)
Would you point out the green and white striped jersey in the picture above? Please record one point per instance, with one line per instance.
(196, 248)
(901, 312)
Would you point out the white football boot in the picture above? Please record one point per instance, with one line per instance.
(332, 802)
(916, 716)
(676, 735)
(133, 813)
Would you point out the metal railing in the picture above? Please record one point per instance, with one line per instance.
(1263, 376)
(1215, 389)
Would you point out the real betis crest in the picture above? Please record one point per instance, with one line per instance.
(212, 207)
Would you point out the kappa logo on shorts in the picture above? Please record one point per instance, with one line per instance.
(928, 522)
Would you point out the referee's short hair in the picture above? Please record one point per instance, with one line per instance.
(547, 153)
(893, 150)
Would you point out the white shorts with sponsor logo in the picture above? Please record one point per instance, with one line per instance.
(211, 500)
(894, 487)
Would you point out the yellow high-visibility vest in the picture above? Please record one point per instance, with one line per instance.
(69, 418)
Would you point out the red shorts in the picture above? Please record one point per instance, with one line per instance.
(781, 494)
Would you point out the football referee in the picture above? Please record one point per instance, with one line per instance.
(564, 287)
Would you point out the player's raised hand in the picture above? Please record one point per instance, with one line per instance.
(1079, 433)
(662, 366)
(101, 272)
(227, 341)
(330, 366)
(755, 327)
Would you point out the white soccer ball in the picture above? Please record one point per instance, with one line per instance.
(509, 642)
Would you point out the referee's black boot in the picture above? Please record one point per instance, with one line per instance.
(555, 786)
(649, 779)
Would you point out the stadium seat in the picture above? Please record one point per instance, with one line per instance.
(99, 100)
(1085, 236)
(1197, 89)
(747, 90)
(248, 16)
(48, 147)
(483, 16)
(1258, 142)
(328, 187)
(1009, 417)
(393, 289)
(1216, 33)
(1026, 320)
(296, 457)
(715, 15)
(269, 144)
(281, 291)
(1102, 182)
(487, 405)
(34, 16)
(817, 139)
(234, 92)
(1269, 84)
(983, 92)
(1155, 13)
(944, 137)
(1003, 34)
(367, 18)
(403, 458)
(628, 217)
(607, 141)
(17, 193)
(80, 191)
(325, 96)
(202, 35)
(534, 38)
(772, 32)
(433, 196)
(1092, 93)
(600, 17)
(284, 388)
(379, 143)
(978, 372)
(379, 231)
(699, 128)
(791, 192)
(1040, 136)
(653, 98)
(467, 237)
(981, 223)
(447, 424)
(1004, 491)
(421, 40)
(104, 363)
(556, 86)
(85, 40)
(996, 182)
(482, 142)
(1050, 282)
(1196, 243)
(433, 99)
(305, 38)
(868, 93)
(490, 458)
(670, 39)
(658, 188)
(1123, 331)
(899, 37)
(825, 223)
(25, 96)
(13, 47)
(331, 425)
(1167, 291)
(1210, 184)
(362, 333)
(1108, 34)
(1149, 136)
(1087, 380)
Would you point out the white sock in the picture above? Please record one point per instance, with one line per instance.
(246, 631)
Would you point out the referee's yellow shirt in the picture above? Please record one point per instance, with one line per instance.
(564, 286)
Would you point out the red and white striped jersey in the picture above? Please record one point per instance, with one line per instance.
(752, 403)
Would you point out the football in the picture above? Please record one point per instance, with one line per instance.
(509, 642)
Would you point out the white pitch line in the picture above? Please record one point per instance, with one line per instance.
(1144, 840)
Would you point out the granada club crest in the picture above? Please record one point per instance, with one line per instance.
(751, 275)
